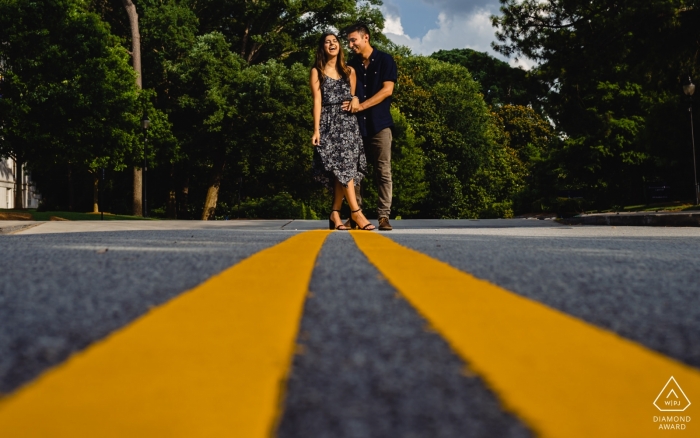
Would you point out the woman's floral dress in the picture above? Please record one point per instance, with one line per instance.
(340, 153)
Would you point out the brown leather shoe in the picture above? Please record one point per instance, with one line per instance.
(384, 224)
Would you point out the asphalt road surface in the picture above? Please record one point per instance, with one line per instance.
(364, 353)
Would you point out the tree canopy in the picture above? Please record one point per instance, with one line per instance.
(68, 94)
(500, 83)
(225, 85)
(614, 69)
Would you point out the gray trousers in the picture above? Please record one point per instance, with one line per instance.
(378, 149)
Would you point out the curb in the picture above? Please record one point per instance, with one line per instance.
(17, 228)
(637, 220)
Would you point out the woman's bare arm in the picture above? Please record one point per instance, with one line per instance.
(315, 84)
(355, 101)
(353, 80)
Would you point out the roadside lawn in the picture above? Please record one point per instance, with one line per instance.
(33, 215)
(665, 206)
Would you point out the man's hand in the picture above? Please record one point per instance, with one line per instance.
(352, 106)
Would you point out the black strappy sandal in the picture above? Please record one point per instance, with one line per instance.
(354, 224)
(331, 224)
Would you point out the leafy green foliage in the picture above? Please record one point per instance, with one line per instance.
(615, 70)
(275, 126)
(500, 83)
(279, 206)
(280, 29)
(68, 93)
(533, 141)
(408, 168)
(226, 90)
(468, 172)
(69, 104)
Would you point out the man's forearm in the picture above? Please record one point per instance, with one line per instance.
(376, 99)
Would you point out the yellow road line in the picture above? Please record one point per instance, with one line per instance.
(564, 377)
(210, 363)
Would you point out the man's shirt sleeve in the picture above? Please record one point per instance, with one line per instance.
(388, 72)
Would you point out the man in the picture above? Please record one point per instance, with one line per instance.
(376, 76)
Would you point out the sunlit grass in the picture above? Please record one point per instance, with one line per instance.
(66, 215)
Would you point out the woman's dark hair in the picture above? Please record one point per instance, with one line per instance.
(321, 59)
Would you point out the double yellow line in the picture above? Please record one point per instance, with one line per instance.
(209, 363)
(213, 361)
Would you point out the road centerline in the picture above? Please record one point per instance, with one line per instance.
(210, 362)
(561, 375)
(369, 368)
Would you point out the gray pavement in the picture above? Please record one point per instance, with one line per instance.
(61, 292)
(369, 367)
(96, 226)
(439, 224)
(641, 283)
(59, 227)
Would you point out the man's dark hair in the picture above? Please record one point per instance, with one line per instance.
(358, 27)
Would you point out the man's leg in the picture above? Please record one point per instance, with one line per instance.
(381, 148)
(367, 143)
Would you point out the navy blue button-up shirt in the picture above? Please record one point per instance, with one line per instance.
(381, 68)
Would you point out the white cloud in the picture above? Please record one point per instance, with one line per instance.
(392, 25)
(457, 6)
(454, 31)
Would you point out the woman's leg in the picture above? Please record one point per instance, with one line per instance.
(337, 203)
(338, 194)
(358, 217)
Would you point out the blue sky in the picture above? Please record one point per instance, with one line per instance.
(430, 25)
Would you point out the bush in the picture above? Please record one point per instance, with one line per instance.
(280, 206)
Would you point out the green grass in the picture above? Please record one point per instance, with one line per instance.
(665, 206)
(75, 216)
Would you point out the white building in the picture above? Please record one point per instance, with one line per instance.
(8, 170)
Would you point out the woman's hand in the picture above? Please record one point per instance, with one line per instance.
(316, 138)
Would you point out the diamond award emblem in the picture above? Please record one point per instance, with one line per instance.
(672, 398)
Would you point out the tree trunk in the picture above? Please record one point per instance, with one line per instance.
(135, 39)
(184, 199)
(19, 187)
(71, 192)
(217, 173)
(96, 192)
(138, 203)
(171, 209)
(136, 59)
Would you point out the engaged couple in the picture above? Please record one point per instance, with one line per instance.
(351, 119)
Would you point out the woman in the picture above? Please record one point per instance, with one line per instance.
(339, 159)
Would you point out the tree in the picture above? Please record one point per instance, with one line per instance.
(500, 83)
(258, 33)
(281, 29)
(533, 140)
(209, 77)
(68, 94)
(136, 60)
(468, 171)
(408, 168)
(611, 66)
